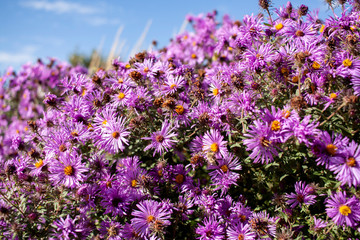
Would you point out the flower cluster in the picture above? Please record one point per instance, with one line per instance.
(240, 130)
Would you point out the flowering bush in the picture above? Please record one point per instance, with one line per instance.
(240, 130)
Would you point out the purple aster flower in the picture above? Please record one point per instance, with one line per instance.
(172, 84)
(111, 230)
(67, 229)
(259, 142)
(305, 131)
(116, 201)
(263, 225)
(318, 224)
(342, 210)
(243, 102)
(40, 166)
(101, 119)
(328, 149)
(58, 142)
(213, 143)
(113, 136)
(210, 229)
(215, 90)
(300, 31)
(122, 98)
(224, 176)
(151, 217)
(356, 84)
(182, 207)
(240, 231)
(302, 196)
(162, 140)
(68, 170)
(51, 100)
(179, 176)
(17, 142)
(239, 212)
(258, 58)
(77, 83)
(141, 99)
(5, 209)
(348, 169)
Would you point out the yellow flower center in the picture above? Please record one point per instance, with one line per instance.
(224, 168)
(121, 95)
(333, 96)
(316, 65)
(241, 237)
(39, 164)
(179, 109)
(275, 125)
(230, 49)
(115, 134)
(185, 37)
(284, 71)
(331, 149)
(193, 56)
(146, 69)
(127, 66)
(133, 183)
(344, 210)
(279, 26)
(215, 92)
(172, 86)
(179, 178)
(150, 218)
(351, 162)
(104, 122)
(120, 80)
(68, 170)
(322, 28)
(83, 92)
(347, 63)
(214, 147)
(286, 114)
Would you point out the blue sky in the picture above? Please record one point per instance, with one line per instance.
(32, 29)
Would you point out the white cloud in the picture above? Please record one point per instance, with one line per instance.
(26, 54)
(99, 21)
(59, 6)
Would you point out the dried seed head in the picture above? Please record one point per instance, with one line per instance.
(106, 98)
(289, 8)
(303, 10)
(135, 75)
(158, 102)
(297, 102)
(140, 57)
(169, 103)
(32, 125)
(342, 2)
(264, 4)
(96, 79)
